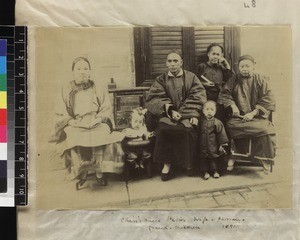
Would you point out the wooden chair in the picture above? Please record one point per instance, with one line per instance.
(124, 101)
(248, 159)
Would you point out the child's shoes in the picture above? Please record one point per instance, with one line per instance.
(142, 165)
(206, 176)
(146, 155)
(216, 175)
(230, 164)
(136, 165)
(131, 156)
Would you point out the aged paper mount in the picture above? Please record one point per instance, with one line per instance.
(275, 224)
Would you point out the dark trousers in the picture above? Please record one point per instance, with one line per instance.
(176, 145)
(210, 164)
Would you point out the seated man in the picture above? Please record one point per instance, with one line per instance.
(176, 98)
(251, 100)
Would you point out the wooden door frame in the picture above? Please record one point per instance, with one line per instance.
(232, 44)
(142, 54)
(188, 48)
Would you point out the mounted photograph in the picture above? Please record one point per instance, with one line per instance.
(162, 118)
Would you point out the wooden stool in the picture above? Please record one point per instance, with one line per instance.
(137, 146)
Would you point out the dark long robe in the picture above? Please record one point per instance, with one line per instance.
(215, 73)
(249, 94)
(176, 142)
(219, 76)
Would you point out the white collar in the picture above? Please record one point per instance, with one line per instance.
(178, 75)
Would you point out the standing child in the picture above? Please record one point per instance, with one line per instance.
(213, 139)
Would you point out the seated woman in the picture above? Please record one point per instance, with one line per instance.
(249, 96)
(176, 98)
(83, 130)
(214, 73)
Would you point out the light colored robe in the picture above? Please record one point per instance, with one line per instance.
(84, 102)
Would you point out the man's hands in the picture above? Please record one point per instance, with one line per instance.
(247, 117)
(176, 116)
(194, 121)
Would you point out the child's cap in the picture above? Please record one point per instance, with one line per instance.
(246, 57)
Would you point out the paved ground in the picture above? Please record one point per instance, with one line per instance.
(256, 196)
(245, 187)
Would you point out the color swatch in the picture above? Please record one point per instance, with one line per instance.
(3, 115)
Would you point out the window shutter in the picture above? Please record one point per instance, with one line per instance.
(152, 45)
(163, 39)
(204, 36)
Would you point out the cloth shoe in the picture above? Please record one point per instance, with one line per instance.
(230, 165)
(166, 176)
(206, 176)
(216, 175)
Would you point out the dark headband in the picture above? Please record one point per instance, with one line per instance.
(80, 59)
(246, 57)
(214, 45)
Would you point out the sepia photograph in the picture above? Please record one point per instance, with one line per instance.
(163, 118)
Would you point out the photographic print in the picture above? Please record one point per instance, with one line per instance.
(186, 117)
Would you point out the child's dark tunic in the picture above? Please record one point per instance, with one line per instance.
(212, 136)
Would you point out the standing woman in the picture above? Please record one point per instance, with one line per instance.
(83, 130)
(214, 73)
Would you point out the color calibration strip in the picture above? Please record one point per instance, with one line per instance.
(8, 198)
(16, 37)
(3, 115)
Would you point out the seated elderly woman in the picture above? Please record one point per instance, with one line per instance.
(83, 130)
(249, 96)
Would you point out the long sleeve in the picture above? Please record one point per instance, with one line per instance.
(225, 96)
(196, 97)
(221, 133)
(227, 74)
(61, 117)
(265, 102)
(157, 97)
(199, 70)
(105, 109)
